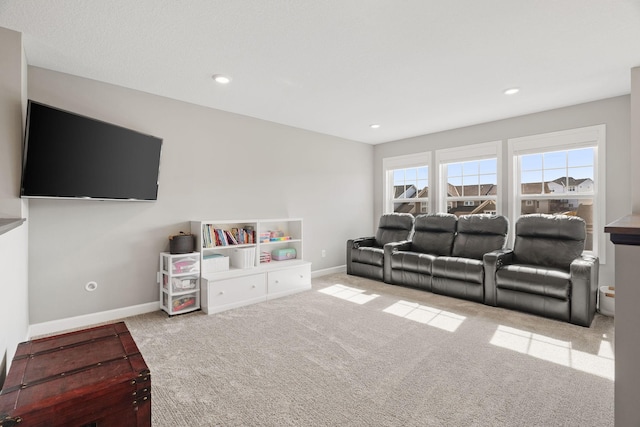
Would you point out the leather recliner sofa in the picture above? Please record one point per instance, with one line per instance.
(365, 255)
(462, 274)
(545, 273)
(410, 263)
(446, 253)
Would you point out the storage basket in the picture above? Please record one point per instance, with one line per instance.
(181, 243)
(607, 297)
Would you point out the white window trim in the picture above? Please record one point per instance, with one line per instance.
(466, 153)
(403, 162)
(590, 136)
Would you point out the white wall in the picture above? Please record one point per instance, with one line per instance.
(613, 112)
(14, 317)
(215, 165)
(14, 320)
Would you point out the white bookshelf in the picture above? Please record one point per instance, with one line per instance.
(232, 275)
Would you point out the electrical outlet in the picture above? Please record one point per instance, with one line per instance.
(324, 253)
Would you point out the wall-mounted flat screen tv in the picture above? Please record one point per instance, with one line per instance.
(67, 155)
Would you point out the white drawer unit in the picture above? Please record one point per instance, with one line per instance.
(179, 282)
(240, 261)
(288, 281)
(220, 295)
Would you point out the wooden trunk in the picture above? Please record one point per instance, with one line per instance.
(90, 378)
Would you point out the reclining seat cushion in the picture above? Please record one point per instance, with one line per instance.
(529, 279)
(395, 227)
(463, 269)
(368, 255)
(548, 240)
(479, 234)
(414, 262)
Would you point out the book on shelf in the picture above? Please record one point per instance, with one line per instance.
(213, 237)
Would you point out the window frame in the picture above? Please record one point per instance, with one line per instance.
(468, 153)
(390, 164)
(572, 139)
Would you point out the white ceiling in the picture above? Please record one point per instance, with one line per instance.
(337, 66)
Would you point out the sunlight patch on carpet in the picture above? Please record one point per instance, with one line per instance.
(557, 351)
(426, 315)
(348, 293)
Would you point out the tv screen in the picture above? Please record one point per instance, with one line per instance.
(67, 155)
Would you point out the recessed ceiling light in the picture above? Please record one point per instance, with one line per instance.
(222, 79)
(512, 91)
(374, 126)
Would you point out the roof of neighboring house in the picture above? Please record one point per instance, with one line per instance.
(569, 180)
(534, 188)
(472, 190)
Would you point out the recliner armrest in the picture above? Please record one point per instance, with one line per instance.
(492, 262)
(584, 289)
(389, 250)
(362, 241)
(355, 244)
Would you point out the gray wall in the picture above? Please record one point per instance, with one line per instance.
(11, 102)
(215, 165)
(614, 112)
(627, 344)
(14, 316)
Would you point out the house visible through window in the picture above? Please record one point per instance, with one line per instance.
(472, 187)
(559, 174)
(546, 177)
(411, 190)
(469, 179)
(407, 183)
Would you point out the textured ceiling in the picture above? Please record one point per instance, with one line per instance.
(337, 66)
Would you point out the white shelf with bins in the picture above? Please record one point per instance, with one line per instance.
(179, 282)
(233, 275)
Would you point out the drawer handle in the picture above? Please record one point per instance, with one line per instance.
(253, 287)
(277, 281)
(221, 293)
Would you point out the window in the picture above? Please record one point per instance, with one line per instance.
(469, 179)
(407, 184)
(559, 173)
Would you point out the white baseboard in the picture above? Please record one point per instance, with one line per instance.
(83, 321)
(326, 271)
(55, 326)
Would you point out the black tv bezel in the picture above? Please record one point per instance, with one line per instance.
(79, 197)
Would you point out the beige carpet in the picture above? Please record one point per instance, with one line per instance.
(356, 352)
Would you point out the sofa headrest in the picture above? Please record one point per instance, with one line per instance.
(549, 240)
(551, 226)
(394, 227)
(483, 224)
(436, 222)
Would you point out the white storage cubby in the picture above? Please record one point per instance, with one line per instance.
(179, 282)
(236, 271)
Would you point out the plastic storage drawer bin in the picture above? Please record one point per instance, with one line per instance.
(180, 284)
